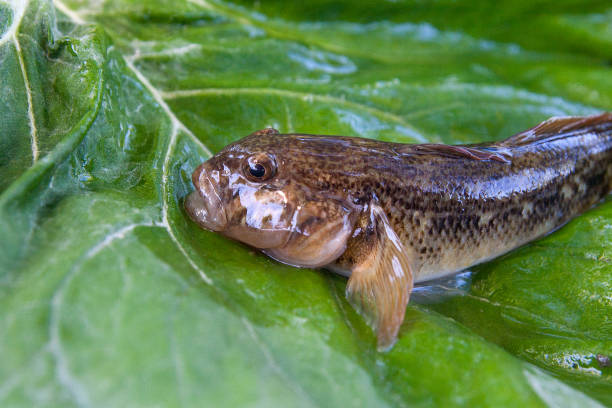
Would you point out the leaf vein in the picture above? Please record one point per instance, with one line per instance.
(65, 377)
(297, 388)
(26, 82)
(165, 194)
(19, 8)
(309, 97)
(157, 95)
(73, 15)
(551, 324)
(176, 126)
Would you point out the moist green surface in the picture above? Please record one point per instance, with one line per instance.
(111, 297)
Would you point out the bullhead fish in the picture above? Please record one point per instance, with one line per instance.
(389, 215)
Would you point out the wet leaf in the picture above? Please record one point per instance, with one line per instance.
(111, 297)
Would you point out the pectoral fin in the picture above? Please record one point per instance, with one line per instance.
(381, 278)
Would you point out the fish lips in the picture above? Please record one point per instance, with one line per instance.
(204, 205)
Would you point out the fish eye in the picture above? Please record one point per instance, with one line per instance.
(260, 167)
(257, 170)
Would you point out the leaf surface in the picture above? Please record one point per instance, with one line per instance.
(111, 297)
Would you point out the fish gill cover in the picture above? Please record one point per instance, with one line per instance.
(109, 296)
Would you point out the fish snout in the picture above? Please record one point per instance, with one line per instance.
(204, 205)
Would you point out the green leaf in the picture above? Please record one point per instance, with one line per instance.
(110, 296)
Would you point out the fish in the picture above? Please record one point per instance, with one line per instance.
(390, 215)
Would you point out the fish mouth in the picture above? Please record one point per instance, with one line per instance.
(204, 204)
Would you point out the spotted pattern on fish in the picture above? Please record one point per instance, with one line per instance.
(389, 214)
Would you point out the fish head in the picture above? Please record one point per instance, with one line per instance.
(263, 191)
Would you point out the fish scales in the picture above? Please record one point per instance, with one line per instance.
(388, 215)
(456, 212)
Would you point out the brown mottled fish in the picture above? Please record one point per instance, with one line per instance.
(389, 215)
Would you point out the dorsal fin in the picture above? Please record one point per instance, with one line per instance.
(548, 131)
(561, 127)
(264, 132)
(459, 152)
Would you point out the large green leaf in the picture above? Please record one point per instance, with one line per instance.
(109, 296)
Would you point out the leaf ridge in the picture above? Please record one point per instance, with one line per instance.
(19, 8)
(176, 125)
(28, 89)
(65, 377)
(310, 97)
(70, 13)
(272, 362)
(158, 96)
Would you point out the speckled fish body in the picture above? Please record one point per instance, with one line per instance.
(455, 210)
(388, 215)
